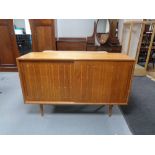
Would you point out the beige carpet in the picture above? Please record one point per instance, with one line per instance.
(151, 71)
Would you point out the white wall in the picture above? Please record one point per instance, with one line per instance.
(19, 23)
(75, 27)
(27, 26)
(120, 28)
(124, 37)
(23, 23)
(65, 27)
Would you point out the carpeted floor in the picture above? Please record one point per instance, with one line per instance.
(19, 118)
(140, 113)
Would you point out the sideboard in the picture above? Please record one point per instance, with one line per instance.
(75, 78)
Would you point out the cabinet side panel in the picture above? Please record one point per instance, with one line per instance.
(23, 80)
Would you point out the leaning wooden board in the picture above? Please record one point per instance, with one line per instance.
(89, 78)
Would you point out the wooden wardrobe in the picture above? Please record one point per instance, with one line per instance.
(43, 34)
(8, 46)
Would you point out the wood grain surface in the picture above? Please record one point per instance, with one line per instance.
(75, 78)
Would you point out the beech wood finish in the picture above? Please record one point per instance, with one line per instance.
(89, 78)
(106, 47)
(8, 46)
(43, 34)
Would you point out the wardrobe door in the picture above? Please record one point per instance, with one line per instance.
(43, 34)
(8, 46)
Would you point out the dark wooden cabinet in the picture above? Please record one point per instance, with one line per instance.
(108, 48)
(8, 46)
(80, 44)
(71, 44)
(43, 34)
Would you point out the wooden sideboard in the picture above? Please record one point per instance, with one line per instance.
(43, 34)
(84, 78)
(71, 44)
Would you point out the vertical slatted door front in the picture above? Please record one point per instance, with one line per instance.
(48, 81)
(103, 82)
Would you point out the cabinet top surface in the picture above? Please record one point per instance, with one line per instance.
(75, 55)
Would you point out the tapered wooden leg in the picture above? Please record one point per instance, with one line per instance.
(41, 109)
(110, 110)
